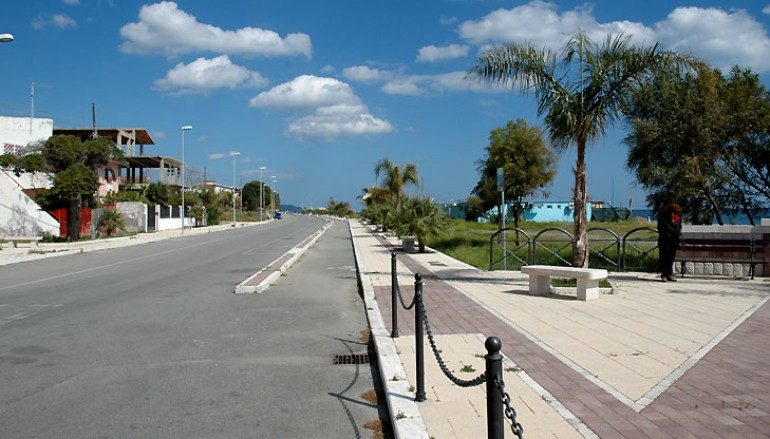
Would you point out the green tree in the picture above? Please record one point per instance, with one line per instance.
(580, 92)
(421, 218)
(250, 195)
(396, 178)
(158, 193)
(339, 208)
(75, 182)
(527, 161)
(702, 141)
(676, 140)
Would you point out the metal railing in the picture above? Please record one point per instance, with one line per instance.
(498, 401)
(553, 246)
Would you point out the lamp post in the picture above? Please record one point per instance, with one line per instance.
(6, 38)
(233, 154)
(261, 192)
(184, 128)
(274, 181)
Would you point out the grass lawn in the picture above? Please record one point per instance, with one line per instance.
(469, 242)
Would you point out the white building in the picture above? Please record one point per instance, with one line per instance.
(20, 215)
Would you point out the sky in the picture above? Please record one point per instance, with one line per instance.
(318, 91)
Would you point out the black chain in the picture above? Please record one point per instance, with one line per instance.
(460, 382)
(510, 412)
(401, 298)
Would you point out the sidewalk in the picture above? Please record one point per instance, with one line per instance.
(24, 253)
(685, 359)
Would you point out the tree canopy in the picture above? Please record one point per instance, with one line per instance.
(527, 161)
(580, 92)
(702, 140)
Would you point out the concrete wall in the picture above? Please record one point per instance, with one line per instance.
(134, 216)
(19, 214)
(18, 131)
(758, 233)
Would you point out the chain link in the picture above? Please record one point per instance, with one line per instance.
(481, 379)
(510, 412)
(401, 298)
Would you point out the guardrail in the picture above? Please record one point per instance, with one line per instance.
(553, 246)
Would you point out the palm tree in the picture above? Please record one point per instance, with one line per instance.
(396, 179)
(580, 92)
(422, 218)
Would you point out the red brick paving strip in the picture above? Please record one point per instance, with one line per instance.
(269, 270)
(726, 394)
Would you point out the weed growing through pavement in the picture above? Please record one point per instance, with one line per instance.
(370, 396)
(395, 378)
(411, 389)
(467, 368)
(400, 415)
(478, 355)
(514, 369)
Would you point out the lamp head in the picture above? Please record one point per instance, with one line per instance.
(6, 38)
(187, 128)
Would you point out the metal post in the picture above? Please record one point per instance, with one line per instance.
(393, 296)
(418, 339)
(495, 422)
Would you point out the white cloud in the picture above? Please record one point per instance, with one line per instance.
(159, 134)
(404, 86)
(328, 69)
(540, 23)
(203, 75)
(365, 74)
(723, 38)
(38, 23)
(417, 85)
(435, 53)
(336, 110)
(63, 21)
(766, 9)
(163, 28)
(217, 156)
(447, 21)
(71, 2)
(306, 91)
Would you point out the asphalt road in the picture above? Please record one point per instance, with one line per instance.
(149, 341)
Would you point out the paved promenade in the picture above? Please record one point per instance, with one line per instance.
(685, 359)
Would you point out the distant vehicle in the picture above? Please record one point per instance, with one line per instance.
(278, 214)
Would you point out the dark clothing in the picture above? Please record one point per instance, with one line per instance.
(669, 229)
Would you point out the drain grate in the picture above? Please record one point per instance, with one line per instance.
(351, 359)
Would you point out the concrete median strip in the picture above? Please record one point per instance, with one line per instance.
(261, 280)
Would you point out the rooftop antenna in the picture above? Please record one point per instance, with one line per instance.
(32, 104)
(95, 134)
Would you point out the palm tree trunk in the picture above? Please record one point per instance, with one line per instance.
(580, 198)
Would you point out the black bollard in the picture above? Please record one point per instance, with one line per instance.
(418, 339)
(393, 299)
(495, 422)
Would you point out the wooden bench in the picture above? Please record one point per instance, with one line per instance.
(725, 251)
(587, 279)
(15, 240)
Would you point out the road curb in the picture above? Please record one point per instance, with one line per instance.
(405, 416)
(111, 243)
(279, 266)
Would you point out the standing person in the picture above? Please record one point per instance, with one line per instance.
(669, 230)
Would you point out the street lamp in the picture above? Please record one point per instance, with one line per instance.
(261, 192)
(184, 128)
(233, 154)
(6, 38)
(273, 180)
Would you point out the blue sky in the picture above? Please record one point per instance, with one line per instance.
(318, 91)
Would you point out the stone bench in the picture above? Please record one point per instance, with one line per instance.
(15, 240)
(587, 279)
